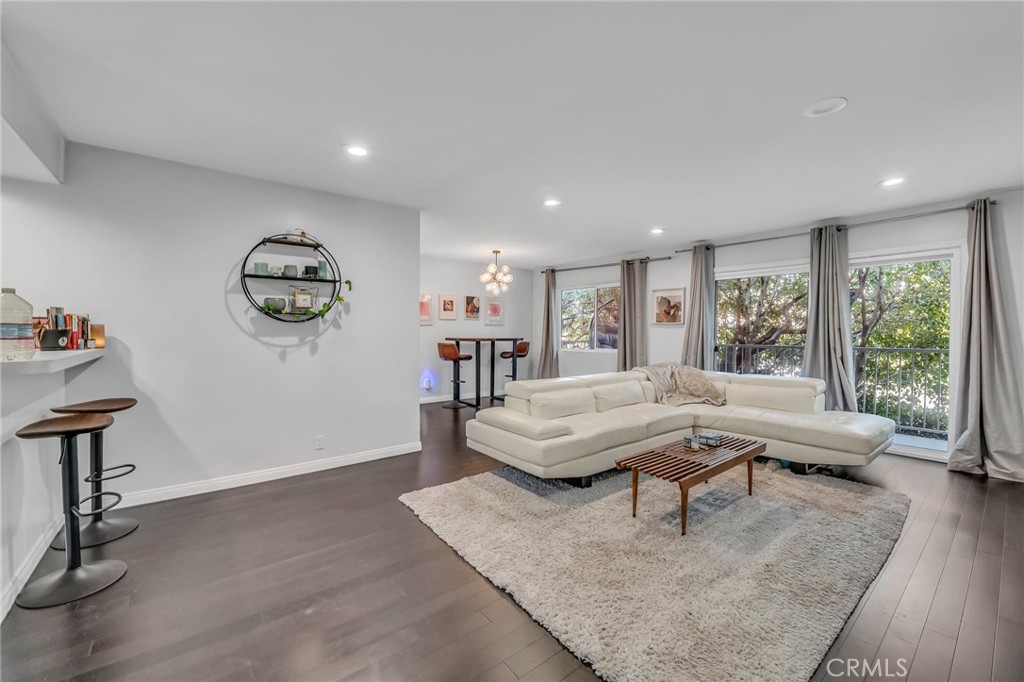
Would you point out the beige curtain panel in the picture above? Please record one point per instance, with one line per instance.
(989, 433)
(632, 314)
(547, 366)
(699, 333)
(829, 351)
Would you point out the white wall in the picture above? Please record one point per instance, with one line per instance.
(30, 489)
(665, 342)
(28, 121)
(152, 249)
(444, 276)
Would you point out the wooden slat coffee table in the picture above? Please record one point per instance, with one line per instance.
(678, 464)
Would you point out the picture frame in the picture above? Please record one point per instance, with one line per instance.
(426, 309)
(446, 307)
(471, 310)
(668, 306)
(494, 310)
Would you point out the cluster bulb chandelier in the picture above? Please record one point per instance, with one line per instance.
(496, 280)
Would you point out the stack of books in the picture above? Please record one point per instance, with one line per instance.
(78, 327)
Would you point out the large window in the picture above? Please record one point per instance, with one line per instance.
(761, 324)
(900, 315)
(590, 318)
(900, 332)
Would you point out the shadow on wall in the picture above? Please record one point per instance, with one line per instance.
(141, 435)
(284, 338)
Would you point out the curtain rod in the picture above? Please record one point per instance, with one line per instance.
(850, 226)
(608, 265)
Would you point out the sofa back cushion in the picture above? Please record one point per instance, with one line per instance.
(527, 388)
(604, 378)
(609, 396)
(801, 399)
(554, 404)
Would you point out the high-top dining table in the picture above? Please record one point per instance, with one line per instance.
(493, 340)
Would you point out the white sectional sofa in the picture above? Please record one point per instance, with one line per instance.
(574, 427)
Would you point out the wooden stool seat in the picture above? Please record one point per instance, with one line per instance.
(104, 406)
(71, 425)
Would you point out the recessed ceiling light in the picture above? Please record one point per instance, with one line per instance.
(891, 182)
(551, 203)
(825, 107)
(355, 150)
(657, 230)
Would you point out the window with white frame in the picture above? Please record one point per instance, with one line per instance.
(590, 318)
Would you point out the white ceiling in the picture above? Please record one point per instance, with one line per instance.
(685, 115)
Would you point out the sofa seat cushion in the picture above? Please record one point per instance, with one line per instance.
(603, 430)
(657, 418)
(554, 404)
(845, 431)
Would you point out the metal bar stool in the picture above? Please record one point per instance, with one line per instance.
(78, 579)
(522, 350)
(450, 352)
(100, 530)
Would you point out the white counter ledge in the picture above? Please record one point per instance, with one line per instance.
(51, 362)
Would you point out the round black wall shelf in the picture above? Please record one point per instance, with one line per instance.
(319, 252)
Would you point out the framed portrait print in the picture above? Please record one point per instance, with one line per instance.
(668, 306)
(426, 314)
(446, 307)
(472, 308)
(494, 310)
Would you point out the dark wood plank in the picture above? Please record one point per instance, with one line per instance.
(972, 659)
(933, 658)
(1008, 663)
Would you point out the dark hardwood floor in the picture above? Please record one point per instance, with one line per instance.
(328, 577)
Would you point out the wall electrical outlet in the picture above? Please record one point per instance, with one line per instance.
(318, 442)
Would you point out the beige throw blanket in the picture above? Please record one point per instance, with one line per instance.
(676, 384)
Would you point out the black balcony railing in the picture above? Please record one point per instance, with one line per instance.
(908, 385)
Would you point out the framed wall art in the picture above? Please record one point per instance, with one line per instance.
(446, 307)
(472, 308)
(494, 310)
(426, 314)
(668, 306)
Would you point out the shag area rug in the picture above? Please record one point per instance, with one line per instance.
(758, 588)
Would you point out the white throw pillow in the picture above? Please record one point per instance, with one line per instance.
(554, 404)
(609, 396)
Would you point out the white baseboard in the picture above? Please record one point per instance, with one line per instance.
(445, 398)
(237, 480)
(21, 576)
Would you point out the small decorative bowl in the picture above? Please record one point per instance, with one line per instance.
(275, 304)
